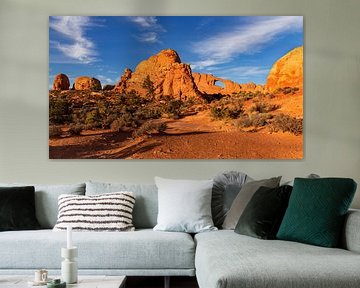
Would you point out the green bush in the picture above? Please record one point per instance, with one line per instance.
(286, 123)
(59, 110)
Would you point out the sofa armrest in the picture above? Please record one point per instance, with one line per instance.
(351, 234)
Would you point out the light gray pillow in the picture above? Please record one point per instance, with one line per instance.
(46, 200)
(243, 198)
(184, 205)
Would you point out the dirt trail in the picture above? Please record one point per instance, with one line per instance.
(191, 137)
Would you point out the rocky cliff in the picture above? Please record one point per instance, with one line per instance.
(287, 71)
(169, 76)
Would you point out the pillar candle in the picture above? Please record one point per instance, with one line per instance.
(69, 237)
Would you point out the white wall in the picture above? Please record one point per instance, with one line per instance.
(332, 91)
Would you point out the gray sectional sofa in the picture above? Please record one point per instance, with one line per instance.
(219, 259)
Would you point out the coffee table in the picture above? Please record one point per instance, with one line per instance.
(84, 281)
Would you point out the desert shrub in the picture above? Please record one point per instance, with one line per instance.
(173, 108)
(287, 90)
(149, 113)
(148, 128)
(230, 111)
(76, 128)
(264, 108)
(286, 123)
(124, 121)
(93, 119)
(253, 120)
(59, 110)
(148, 85)
(54, 131)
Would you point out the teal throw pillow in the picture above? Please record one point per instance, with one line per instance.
(316, 211)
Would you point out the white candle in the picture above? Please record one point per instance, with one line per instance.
(69, 237)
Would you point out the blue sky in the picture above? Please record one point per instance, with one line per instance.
(240, 48)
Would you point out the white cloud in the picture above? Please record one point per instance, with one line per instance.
(73, 28)
(144, 21)
(149, 37)
(150, 25)
(223, 47)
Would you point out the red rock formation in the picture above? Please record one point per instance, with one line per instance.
(61, 82)
(207, 84)
(287, 71)
(122, 84)
(87, 83)
(169, 75)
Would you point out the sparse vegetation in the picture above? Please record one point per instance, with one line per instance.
(149, 86)
(253, 120)
(59, 110)
(287, 90)
(264, 107)
(75, 128)
(54, 131)
(286, 123)
(149, 128)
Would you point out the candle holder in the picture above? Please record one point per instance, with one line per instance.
(69, 271)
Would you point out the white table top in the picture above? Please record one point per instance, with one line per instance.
(84, 281)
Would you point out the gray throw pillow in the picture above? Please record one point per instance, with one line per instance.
(184, 205)
(242, 199)
(226, 187)
(46, 200)
(146, 204)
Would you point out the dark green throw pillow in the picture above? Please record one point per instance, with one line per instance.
(263, 214)
(316, 211)
(17, 208)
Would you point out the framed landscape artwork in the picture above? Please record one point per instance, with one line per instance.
(176, 87)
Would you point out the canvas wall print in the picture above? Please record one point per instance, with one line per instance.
(176, 87)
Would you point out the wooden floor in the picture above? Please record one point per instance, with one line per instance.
(158, 282)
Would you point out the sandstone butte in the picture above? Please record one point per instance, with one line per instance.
(287, 71)
(87, 83)
(169, 75)
(61, 82)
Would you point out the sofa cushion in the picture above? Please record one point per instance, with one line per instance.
(143, 249)
(317, 209)
(184, 205)
(105, 212)
(17, 208)
(225, 259)
(146, 205)
(46, 200)
(226, 187)
(263, 215)
(243, 198)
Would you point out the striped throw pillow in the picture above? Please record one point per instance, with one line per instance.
(105, 212)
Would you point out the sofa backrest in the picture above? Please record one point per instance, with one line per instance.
(46, 200)
(146, 203)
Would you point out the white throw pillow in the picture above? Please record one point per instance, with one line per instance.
(105, 212)
(184, 205)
